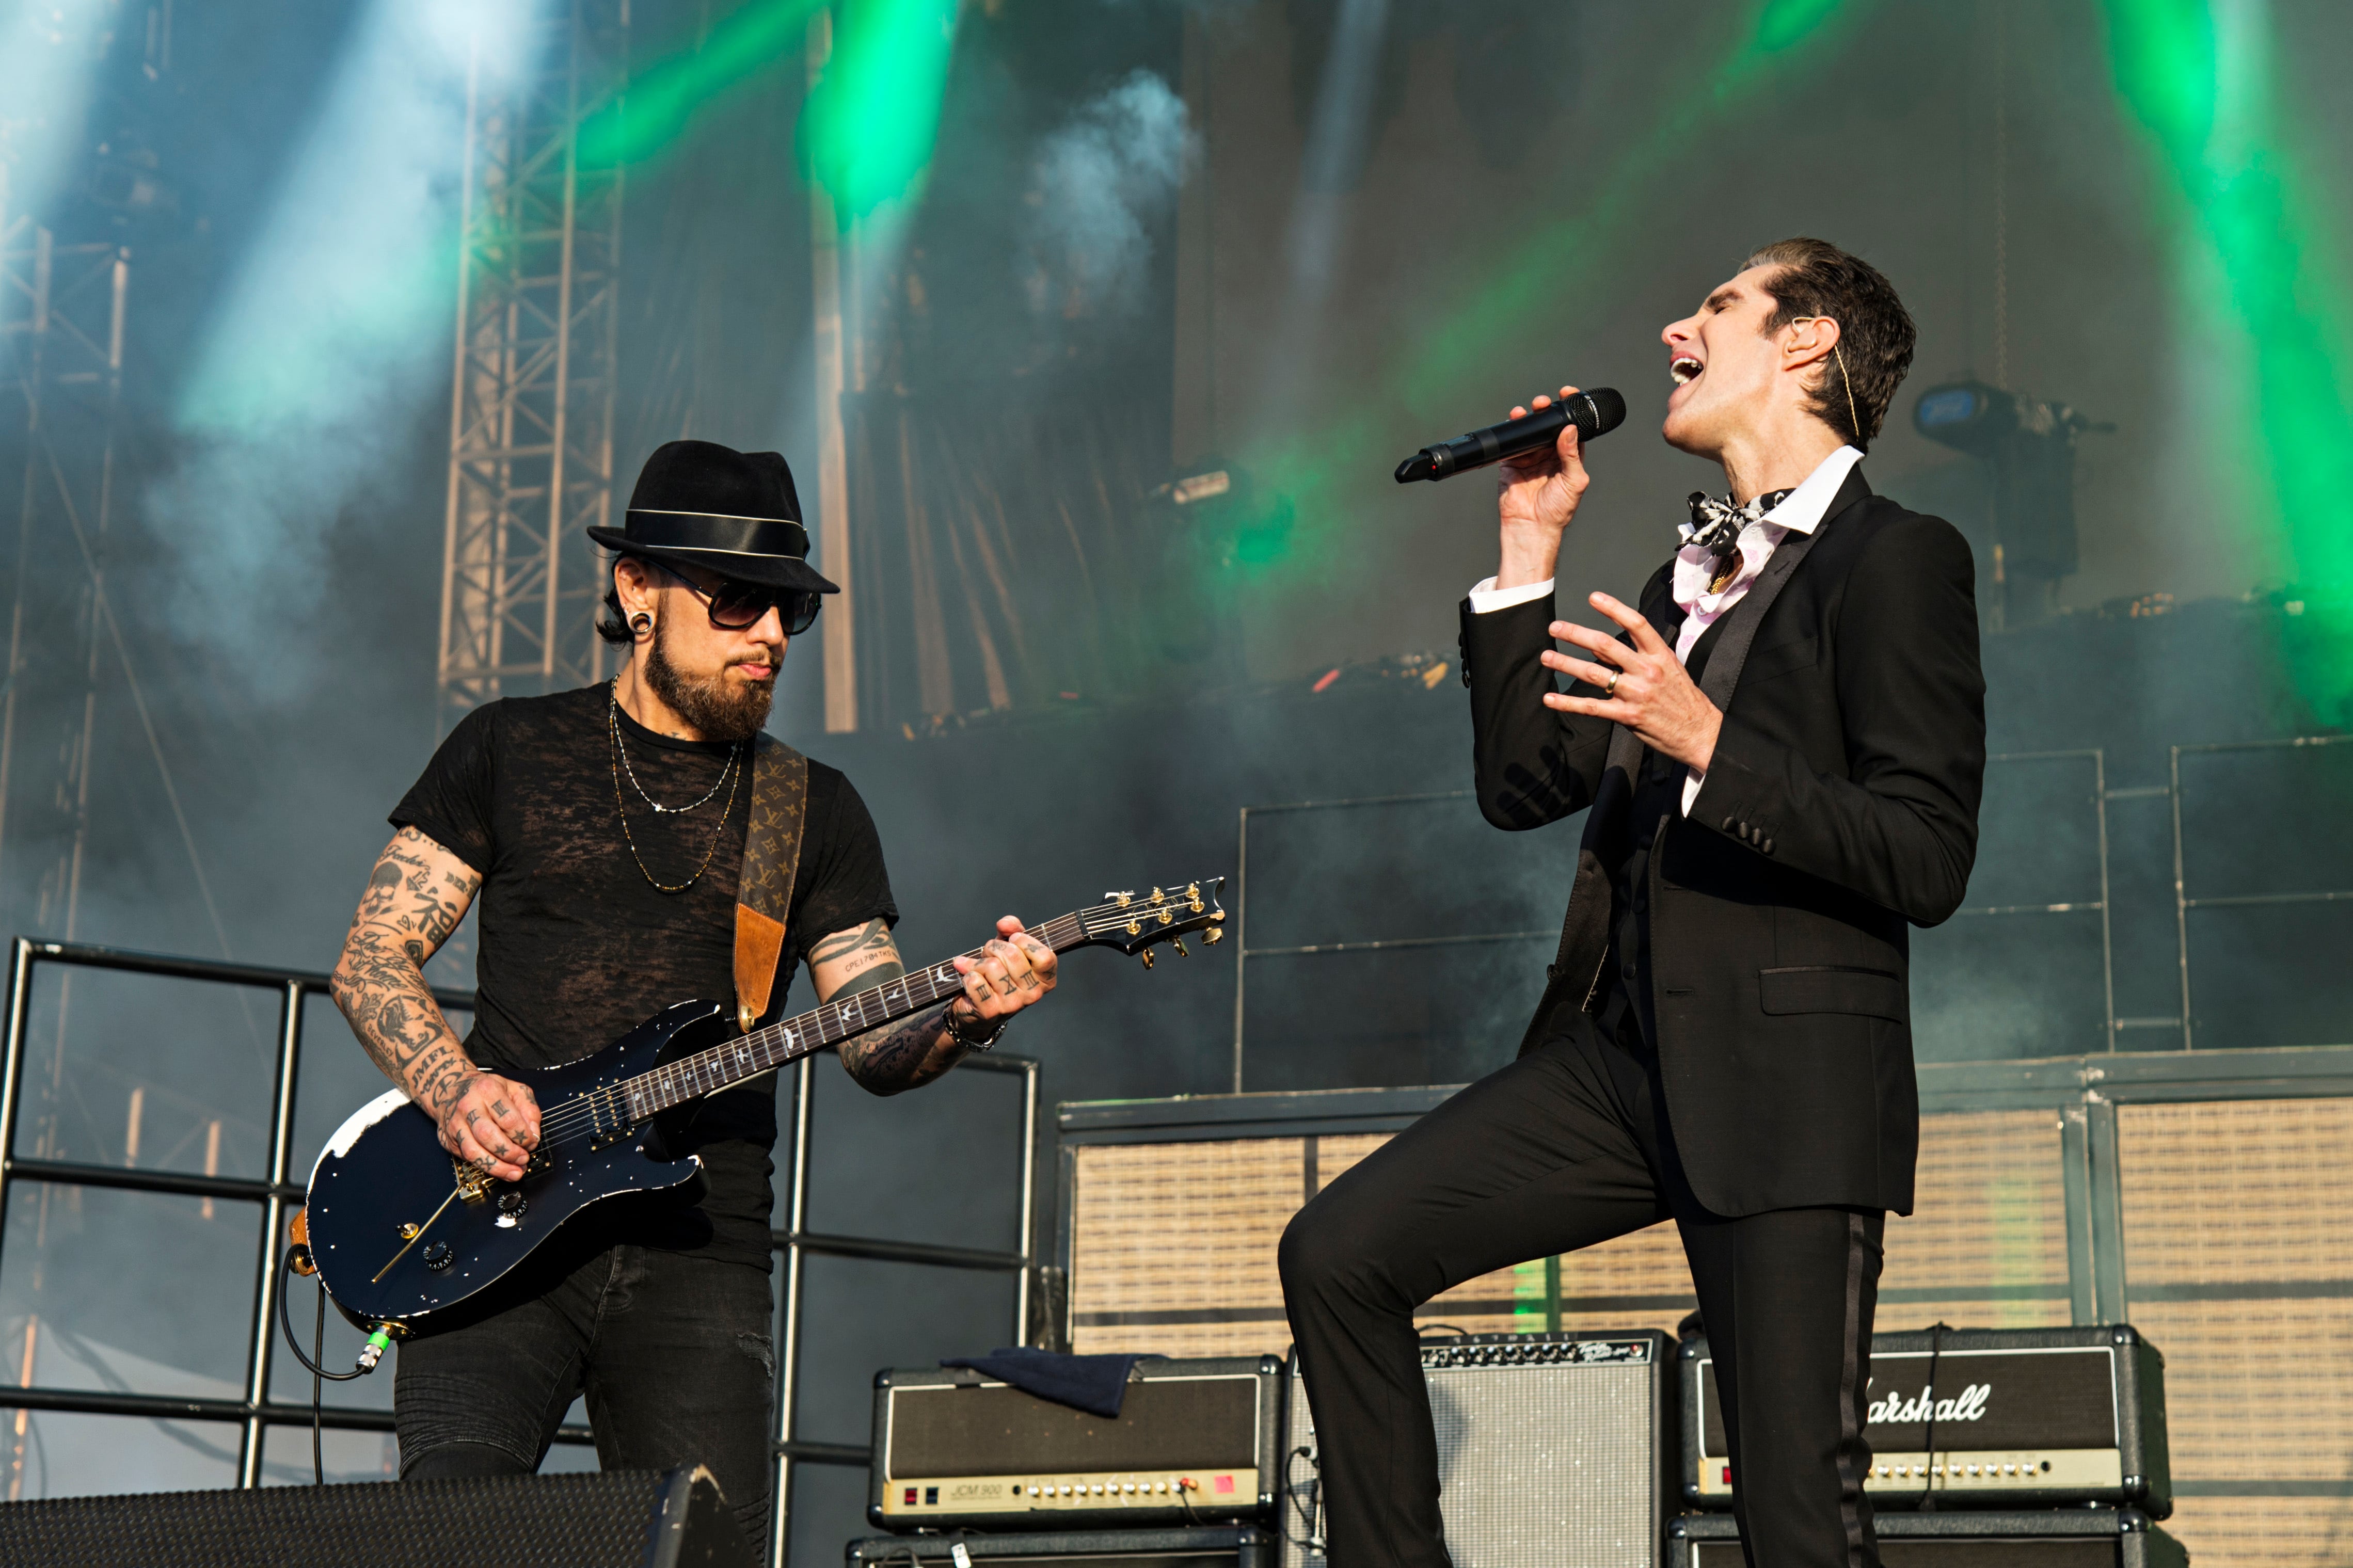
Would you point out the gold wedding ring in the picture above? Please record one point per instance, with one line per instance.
(1611, 689)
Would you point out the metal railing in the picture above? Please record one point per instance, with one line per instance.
(276, 1192)
(2100, 798)
(2182, 901)
(798, 1243)
(1244, 952)
(279, 1193)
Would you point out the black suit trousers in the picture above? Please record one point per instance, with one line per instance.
(1567, 1147)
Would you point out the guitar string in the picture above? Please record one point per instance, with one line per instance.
(571, 1117)
(567, 1118)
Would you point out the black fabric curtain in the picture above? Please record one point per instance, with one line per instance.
(1003, 549)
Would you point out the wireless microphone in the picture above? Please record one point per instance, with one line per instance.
(1594, 412)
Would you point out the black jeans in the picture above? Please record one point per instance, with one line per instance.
(675, 1353)
(1567, 1147)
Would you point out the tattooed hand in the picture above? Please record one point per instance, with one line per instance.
(489, 1122)
(1012, 972)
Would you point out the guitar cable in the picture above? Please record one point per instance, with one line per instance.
(297, 1260)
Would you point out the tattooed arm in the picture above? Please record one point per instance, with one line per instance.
(416, 897)
(1014, 971)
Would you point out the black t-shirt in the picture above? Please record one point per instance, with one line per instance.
(577, 947)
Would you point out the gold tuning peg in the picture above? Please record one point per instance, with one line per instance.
(1178, 943)
(1214, 935)
(1147, 956)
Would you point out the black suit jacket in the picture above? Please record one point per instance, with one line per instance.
(1840, 804)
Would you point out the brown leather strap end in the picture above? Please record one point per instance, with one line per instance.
(759, 943)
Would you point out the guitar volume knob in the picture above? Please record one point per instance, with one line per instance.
(439, 1257)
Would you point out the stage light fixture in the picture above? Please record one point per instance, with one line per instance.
(2028, 443)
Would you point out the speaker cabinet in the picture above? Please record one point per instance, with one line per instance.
(1230, 1546)
(615, 1518)
(2054, 1538)
(1551, 1449)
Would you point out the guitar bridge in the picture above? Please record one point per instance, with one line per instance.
(474, 1184)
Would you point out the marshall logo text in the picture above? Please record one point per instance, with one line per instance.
(1970, 1404)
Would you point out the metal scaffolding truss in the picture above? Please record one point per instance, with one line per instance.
(530, 421)
(61, 338)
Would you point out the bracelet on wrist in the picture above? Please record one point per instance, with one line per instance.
(984, 1034)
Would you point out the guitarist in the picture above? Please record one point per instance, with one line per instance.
(602, 833)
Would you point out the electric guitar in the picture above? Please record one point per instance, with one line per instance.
(402, 1231)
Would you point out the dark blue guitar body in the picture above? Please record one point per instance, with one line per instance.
(385, 1168)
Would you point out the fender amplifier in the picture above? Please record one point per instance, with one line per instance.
(1552, 1449)
(2054, 1538)
(2017, 1417)
(1229, 1546)
(1194, 1443)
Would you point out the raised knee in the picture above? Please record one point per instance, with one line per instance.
(1322, 1255)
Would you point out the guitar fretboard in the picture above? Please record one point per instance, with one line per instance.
(764, 1050)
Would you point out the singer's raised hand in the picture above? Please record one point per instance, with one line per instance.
(1649, 691)
(1537, 494)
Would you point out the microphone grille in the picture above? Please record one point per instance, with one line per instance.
(1608, 411)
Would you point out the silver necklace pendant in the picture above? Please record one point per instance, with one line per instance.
(622, 751)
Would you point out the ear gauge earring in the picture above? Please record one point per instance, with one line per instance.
(641, 622)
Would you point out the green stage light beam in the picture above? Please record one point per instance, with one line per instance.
(1308, 533)
(664, 99)
(2198, 81)
(874, 114)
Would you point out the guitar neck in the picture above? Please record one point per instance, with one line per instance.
(830, 1023)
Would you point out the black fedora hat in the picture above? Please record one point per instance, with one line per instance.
(700, 504)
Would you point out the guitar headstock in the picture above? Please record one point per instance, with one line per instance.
(1135, 923)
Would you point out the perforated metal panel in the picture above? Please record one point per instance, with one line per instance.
(2239, 1258)
(1985, 1245)
(1546, 1464)
(1561, 1462)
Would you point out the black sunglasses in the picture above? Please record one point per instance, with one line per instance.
(738, 607)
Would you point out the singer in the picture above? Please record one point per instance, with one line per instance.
(1781, 750)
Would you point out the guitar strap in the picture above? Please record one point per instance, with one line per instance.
(772, 854)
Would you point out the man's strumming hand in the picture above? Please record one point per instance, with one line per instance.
(489, 1122)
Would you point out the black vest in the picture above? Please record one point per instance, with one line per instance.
(1658, 795)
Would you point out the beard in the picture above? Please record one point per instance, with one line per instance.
(719, 709)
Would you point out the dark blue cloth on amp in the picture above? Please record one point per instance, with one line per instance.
(1094, 1384)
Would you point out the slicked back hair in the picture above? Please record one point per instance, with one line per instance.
(1815, 278)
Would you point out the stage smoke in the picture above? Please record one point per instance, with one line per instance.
(1098, 179)
(334, 339)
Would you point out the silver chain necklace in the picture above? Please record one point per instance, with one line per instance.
(614, 717)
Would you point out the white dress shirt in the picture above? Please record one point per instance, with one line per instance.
(1799, 512)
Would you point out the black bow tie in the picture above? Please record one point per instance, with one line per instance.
(1717, 524)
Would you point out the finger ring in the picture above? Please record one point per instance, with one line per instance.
(1611, 689)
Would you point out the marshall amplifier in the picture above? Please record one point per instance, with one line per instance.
(1552, 1449)
(1194, 1443)
(2054, 1538)
(1229, 1546)
(2016, 1417)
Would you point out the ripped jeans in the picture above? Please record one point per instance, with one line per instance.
(674, 1352)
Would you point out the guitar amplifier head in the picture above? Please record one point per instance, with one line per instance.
(1194, 1443)
(1982, 1418)
(1552, 1449)
(2052, 1538)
